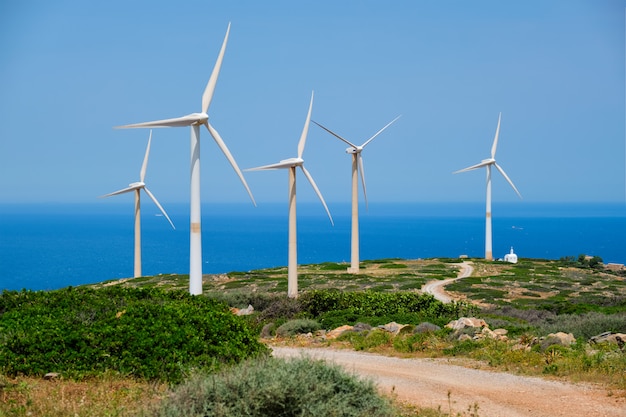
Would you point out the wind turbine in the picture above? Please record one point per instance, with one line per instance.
(357, 167)
(195, 120)
(136, 187)
(488, 163)
(292, 164)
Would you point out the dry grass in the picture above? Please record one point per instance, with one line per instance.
(105, 396)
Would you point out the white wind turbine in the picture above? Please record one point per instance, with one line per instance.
(357, 167)
(195, 120)
(292, 164)
(136, 187)
(488, 163)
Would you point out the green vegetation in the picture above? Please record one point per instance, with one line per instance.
(144, 333)
(275, 387)
(561, 287)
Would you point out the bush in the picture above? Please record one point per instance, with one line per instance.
(359, 304)
(373, 339)
(584, 325)
(144, 333)
(426, 327)
(299, 326)
(276, 387)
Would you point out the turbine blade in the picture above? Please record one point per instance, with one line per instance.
(360, 161)
(495, 139)
(210, 87)
(317, 191)
(175, 122)
(278, 165)
(506, 177)
(380, 131)
(144, 166)
(335, 135)
(480, 165)
(220, 142)
(159, 206)
(305, 130)
(122, 191)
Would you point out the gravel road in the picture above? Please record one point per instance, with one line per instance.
(427, 382)
(436, 287)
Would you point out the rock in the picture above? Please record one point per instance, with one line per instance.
(50, 376)
(392, 327)
(464, 322)
(464, 337)
(498, 334)
(501, 332)
(242, 311)
(566, 339)
(360, 327)
(610, 337)
(559, 338)
(335, 333)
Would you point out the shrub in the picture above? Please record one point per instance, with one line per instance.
(584, 325)
(143, 333)
(298, 326)
(426, 327)
(276, 387)
(381, 304)
(373, 339)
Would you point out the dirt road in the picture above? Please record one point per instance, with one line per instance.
(427, 382)
(436, 287)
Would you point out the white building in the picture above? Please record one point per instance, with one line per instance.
(510, 257)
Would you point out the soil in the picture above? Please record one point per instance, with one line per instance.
(438, 383)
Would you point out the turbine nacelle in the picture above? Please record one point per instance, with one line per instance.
(292, 161)
(200, 118)
(488, 161)
(139, 184)
(354, 150)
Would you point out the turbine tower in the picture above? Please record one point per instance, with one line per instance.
(195, 120)
(488, 163)
(357, 167)
(137, 187)
(292, 164)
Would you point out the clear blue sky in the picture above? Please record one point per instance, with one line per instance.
(71, 70)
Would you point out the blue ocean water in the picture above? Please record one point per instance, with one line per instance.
(54, 246)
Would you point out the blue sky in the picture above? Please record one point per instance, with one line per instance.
(71, 70)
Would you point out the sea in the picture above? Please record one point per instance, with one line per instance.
(52, 246)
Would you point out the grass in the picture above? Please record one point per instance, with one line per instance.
(102, 396)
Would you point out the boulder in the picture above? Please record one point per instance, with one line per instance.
(335, 333)
(464, 322)
(559, 338)
(360, 327)
(392, 327)
(242, 311)
(498, 334)
(426, 327)
(609, 337)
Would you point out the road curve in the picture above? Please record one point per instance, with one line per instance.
(437, 383)
(436, 287)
